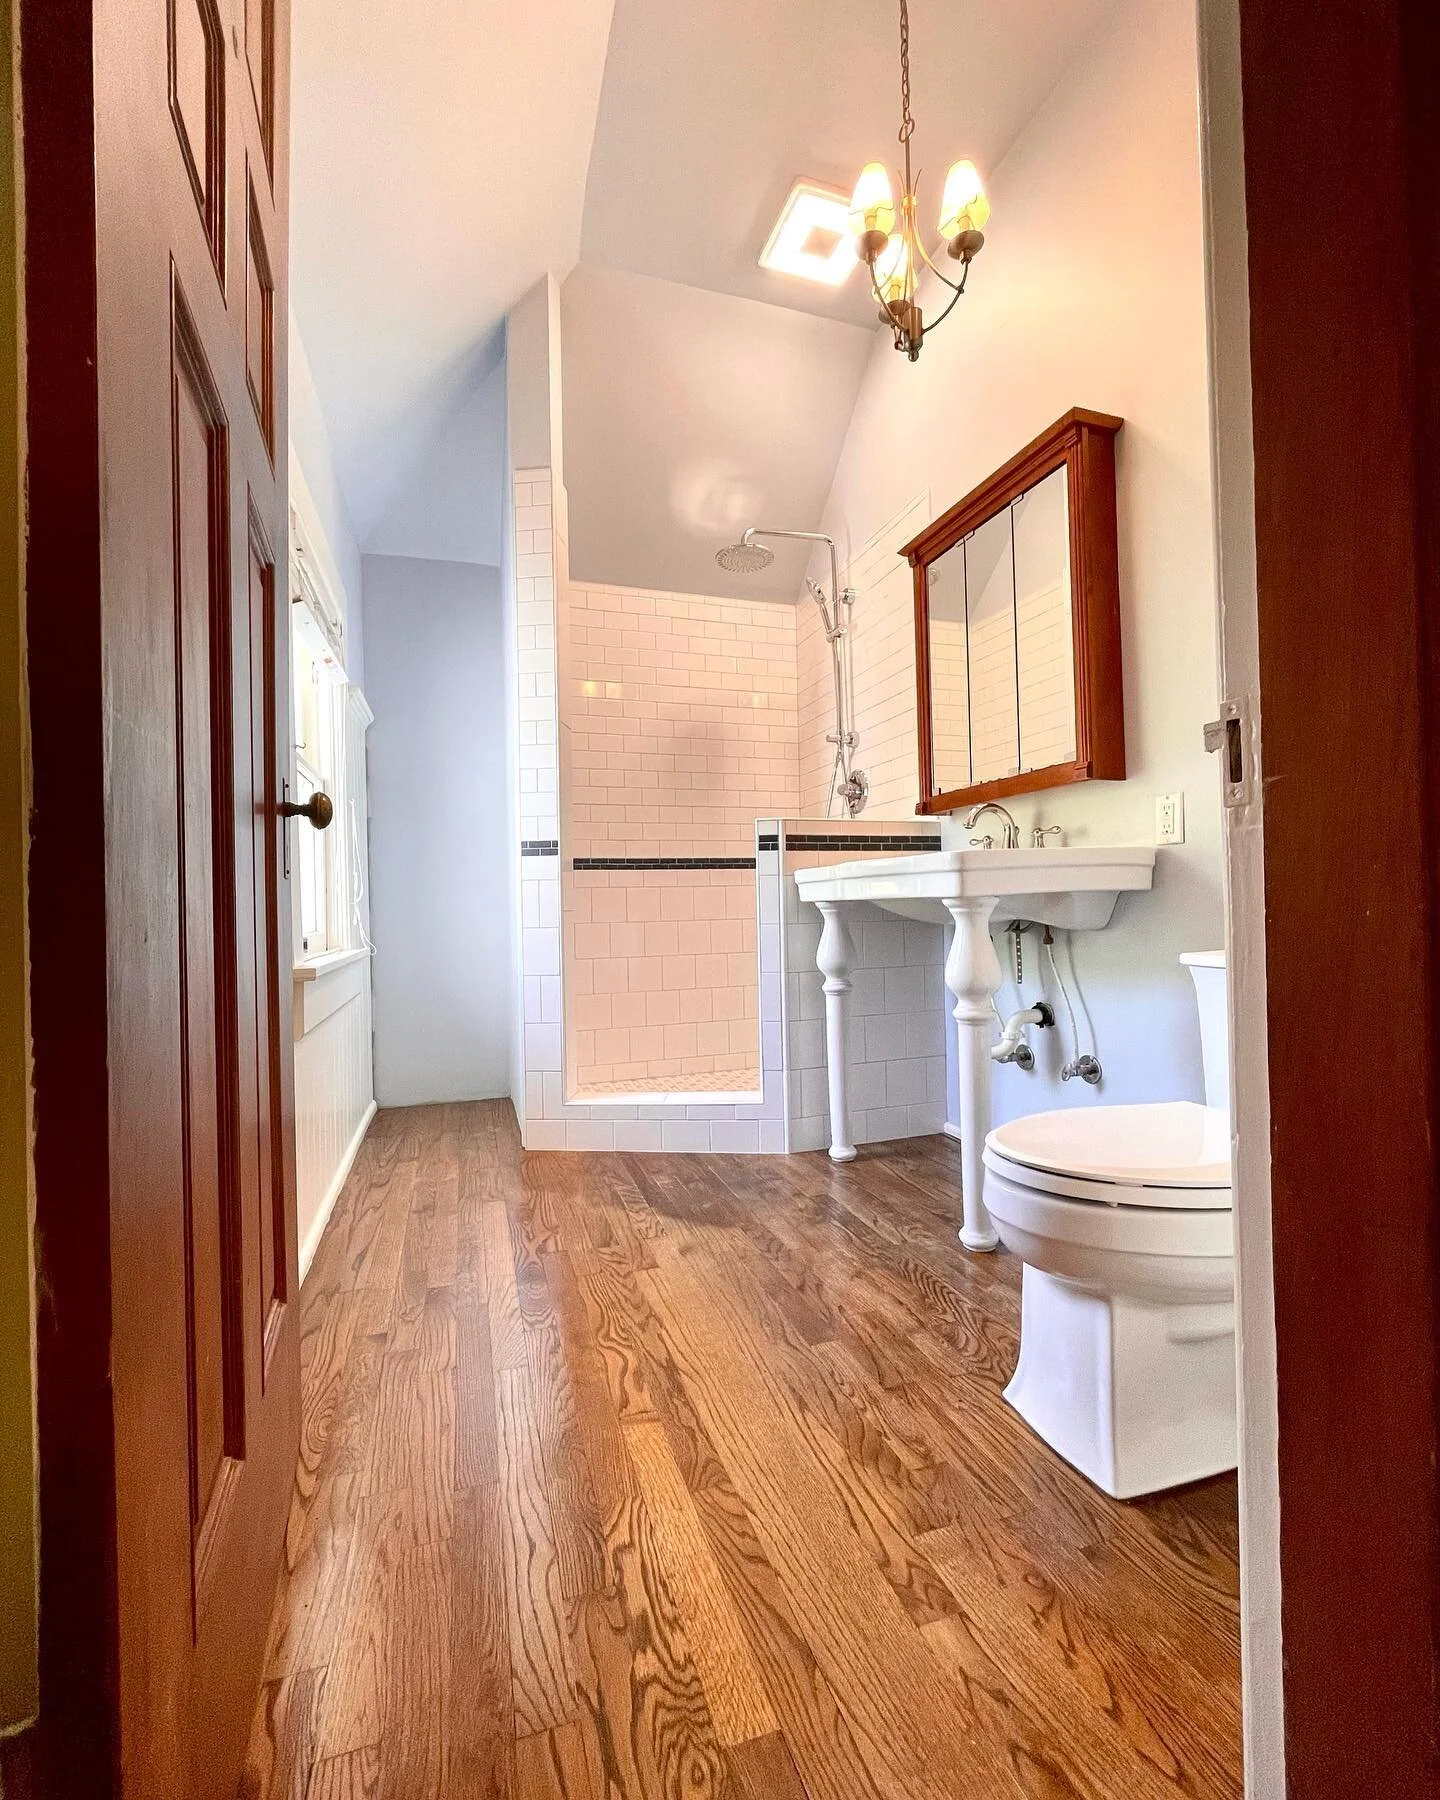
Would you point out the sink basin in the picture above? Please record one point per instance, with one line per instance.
(1073, 888)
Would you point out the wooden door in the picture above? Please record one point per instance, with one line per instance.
(1342, 416)
(156, 174)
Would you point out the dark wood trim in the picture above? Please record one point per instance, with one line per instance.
(1083, 443)
(281, 1200)
(1009, 481)
(75, 1749)
(924, 715)
(1033, 781)
(209, 189)
(255, 252)
(262, 80)
(1346, 405)
(190, 366)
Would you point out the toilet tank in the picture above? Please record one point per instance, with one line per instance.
(1207, 971)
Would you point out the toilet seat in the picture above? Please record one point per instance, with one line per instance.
(1165, 1156)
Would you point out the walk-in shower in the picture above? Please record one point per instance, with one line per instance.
(847, 784)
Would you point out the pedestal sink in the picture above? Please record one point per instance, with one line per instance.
(1073, 889)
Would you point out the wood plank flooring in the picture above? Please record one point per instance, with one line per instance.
(629, 1477)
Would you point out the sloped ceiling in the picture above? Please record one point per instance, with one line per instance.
(447, 153)
(711, 109)
(690, 415)
(440, 150)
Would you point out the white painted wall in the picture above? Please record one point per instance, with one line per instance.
(1091, 292)
(440, 887)
(451, 509)
(316, 494)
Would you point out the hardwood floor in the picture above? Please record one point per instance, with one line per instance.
(690, 1476)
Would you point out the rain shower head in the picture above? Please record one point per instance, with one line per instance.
(744, 559)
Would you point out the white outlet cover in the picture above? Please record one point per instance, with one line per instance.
(1169, 818)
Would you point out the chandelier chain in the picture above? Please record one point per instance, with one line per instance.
(907, 123)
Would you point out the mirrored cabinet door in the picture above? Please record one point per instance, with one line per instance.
(1044, 624)
(1017, 625)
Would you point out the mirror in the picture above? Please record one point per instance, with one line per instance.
(1018, 627)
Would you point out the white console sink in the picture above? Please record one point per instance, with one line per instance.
(1074, 888)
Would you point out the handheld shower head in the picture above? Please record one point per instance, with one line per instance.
(744, 559)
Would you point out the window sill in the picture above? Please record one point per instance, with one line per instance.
(314, 968)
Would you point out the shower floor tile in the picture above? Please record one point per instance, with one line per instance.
(742, 1082)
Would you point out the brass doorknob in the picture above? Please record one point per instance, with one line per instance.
(319, 809)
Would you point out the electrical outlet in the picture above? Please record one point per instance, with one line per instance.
(1169, 818)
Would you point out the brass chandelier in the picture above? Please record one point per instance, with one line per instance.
(896, 258)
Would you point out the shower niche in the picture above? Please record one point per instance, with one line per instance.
(1017, 625)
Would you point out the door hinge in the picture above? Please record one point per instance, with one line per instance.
(1229, 737)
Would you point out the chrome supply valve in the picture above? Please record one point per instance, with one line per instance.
(855, 792)
(1087, 1067)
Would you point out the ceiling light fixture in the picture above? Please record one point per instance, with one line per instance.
(812, 237)
(889, 243)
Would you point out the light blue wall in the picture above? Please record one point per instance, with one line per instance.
(440, 888)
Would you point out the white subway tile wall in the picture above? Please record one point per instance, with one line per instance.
(683, 722)
(553, 1118)
(620, 966)
(881, 656)
(664, 978)
(680, 730)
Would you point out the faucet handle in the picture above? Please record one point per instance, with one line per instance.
(1039, 834)
(983, 843)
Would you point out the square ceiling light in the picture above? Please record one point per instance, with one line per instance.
(812, 237)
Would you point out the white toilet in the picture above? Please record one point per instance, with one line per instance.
(1121, 1215)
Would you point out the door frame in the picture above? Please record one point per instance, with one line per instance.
(1237, 625)
(1326, 386)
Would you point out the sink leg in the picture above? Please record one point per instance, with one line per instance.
(834, 959)
(972, 974)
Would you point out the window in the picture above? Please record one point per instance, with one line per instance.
(318, 706)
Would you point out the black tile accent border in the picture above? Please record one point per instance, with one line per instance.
(582, 863)
(855, 841)
(540, 847)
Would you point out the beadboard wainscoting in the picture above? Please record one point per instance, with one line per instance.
(334, 1087)
(333, 1002)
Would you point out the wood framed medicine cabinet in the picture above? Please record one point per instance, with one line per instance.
(1017, 625)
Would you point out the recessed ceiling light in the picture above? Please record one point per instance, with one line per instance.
(812, 237)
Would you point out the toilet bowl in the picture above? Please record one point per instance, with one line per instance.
(1122, 1218)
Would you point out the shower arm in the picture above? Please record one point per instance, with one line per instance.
(853, 786)
(807, 537)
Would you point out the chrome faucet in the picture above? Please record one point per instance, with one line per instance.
(1011, 839)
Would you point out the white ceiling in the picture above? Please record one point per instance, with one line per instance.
(711, 108)
(439, 158)
(690, 415)
(443, 162)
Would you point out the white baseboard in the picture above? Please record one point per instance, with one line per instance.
(951, 1130)
(332, 1193)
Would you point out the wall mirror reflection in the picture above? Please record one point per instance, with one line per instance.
(1018, 625)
